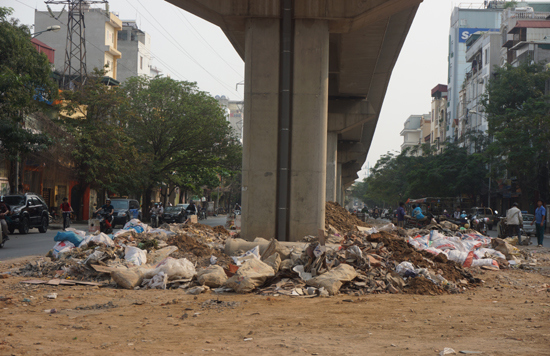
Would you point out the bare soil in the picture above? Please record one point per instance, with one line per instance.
(339, 218)
(509, 314)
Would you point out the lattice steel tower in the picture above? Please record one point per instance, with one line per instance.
(74, 71)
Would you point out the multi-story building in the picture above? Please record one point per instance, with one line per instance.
(524, 23)
(411, 133)
(483, 54)
(101, 38)
(438, 116)
(135, 47)
(465, 21)
(233, 113)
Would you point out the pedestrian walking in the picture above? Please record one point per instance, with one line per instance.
(401, 215)
(540, 220)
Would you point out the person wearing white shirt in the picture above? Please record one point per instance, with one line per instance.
(514, 219)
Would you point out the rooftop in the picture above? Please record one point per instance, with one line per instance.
(530, 24)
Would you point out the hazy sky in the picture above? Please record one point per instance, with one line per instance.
(188, 48)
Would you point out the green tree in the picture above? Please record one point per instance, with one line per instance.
(518, 108)
(103, 155)
(181, 133)
(450, 173)
(25, 82)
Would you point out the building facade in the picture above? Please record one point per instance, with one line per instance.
(135, 47)
(438, 116)
(233, 113)
(411, 134)
(465, 21)
(101, 38)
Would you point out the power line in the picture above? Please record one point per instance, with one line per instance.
(27, 5)
(182, 15)
(177, 45)
(121, 64)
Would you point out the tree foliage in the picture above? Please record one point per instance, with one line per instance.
(180, 132)
(518, 110)
(25, 83)
(450, 173)
(103, 153)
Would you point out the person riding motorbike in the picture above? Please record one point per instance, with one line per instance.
(156, 212)
(418, 214)
(66, 210)
(4, 212)
(191, 208)
(108, 211)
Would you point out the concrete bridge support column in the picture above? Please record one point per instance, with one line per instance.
(309, 128)
(332, 150)
(261, 201)
(339, 190)
(260, 139)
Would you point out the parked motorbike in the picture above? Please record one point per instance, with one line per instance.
(237, 212)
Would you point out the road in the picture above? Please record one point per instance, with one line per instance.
(35, 243)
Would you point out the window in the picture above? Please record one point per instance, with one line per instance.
(486, 56)
(123, 35)
(140, 62)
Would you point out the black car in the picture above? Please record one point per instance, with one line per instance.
(175, 214)
(27, 211)
(125, 210)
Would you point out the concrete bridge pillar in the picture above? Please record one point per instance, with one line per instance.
(339, 190)
(266, 133)
(332, 150)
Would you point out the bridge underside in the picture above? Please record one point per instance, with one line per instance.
(316, 73)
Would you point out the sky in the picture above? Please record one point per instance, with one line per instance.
(189, 48)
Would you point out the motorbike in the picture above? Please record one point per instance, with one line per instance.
(480, 224)
(4, 239)
(155, 220)
(105, 222)
(202, 214)
(237, 212)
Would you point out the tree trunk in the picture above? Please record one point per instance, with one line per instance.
(12, 177)
(146, 203)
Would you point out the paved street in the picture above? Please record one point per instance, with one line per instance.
(35, 243)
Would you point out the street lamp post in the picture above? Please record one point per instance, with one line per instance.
(53, 28)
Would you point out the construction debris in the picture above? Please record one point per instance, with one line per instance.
(349, 257)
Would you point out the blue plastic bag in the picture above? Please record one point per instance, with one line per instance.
(75, 239)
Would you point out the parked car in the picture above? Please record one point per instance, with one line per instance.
(528, 229)
(481, 212)
(175, 214)
(125, 210)
(28, 211)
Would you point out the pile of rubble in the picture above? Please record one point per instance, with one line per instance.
(350, 257)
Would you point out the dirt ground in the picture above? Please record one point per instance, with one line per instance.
(508, 315)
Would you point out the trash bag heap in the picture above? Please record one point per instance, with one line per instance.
(353, 258)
